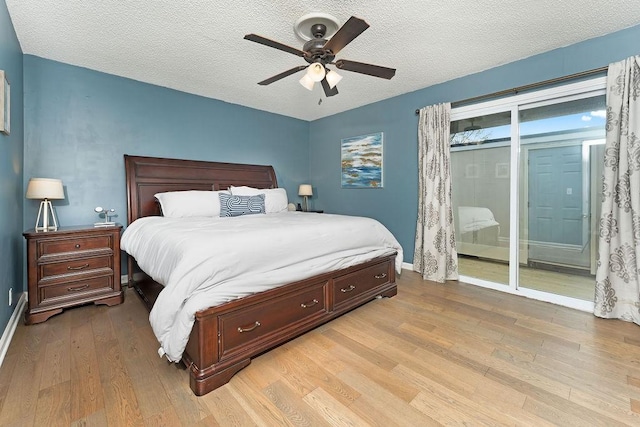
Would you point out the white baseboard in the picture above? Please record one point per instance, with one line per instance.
(407, 266)
(7, 335)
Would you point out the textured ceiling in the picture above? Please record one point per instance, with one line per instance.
(197, 46)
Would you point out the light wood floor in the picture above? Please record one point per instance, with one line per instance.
(559, 283)
(434, 354)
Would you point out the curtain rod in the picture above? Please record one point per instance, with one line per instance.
(515, 90)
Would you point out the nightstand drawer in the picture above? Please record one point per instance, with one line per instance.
(74, 290)
(59, 246)
(75, 266)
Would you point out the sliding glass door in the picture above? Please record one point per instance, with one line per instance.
(480, 164)
(559, 143)
(526, 177)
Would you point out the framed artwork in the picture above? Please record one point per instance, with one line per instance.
(5, 104)
(361, 158)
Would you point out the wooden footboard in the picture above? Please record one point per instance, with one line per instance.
(226, 337)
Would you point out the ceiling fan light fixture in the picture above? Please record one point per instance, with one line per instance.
(333, 78)
(307, 82)
(316, 72)
(321, 49)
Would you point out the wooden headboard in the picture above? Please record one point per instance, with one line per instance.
(146, 176)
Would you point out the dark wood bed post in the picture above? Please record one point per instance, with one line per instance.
(224, 338)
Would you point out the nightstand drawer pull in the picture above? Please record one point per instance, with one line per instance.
(77, 245)
(80, 267)
(349, 289)
(78, 288)
(309, 304)
(380, 276)
(249, 329)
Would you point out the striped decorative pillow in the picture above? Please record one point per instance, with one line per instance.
(241, 205)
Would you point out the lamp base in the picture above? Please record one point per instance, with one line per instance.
(46, 209)
(50, 228)
(306, 204)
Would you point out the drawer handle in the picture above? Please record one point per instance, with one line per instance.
(309, 304)
(349, 289)
(249, 329)
(380, 276)
(77, 245)
(78, 288)
(80, 267)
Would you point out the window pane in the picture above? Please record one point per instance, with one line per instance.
(490, 129)
(480, 163)
(559, 175)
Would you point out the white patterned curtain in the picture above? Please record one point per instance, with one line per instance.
(435, 255)
(618, 274)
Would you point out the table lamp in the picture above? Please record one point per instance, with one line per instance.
(305, 191)
(46, 189)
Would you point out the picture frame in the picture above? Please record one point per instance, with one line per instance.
(5, 104)
(502, 170)
(362, 161)
(472, 170)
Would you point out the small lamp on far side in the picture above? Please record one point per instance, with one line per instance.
(45, 189)
(305, 191)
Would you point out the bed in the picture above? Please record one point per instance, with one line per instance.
(225, 337)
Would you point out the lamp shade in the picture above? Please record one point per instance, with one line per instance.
(316, 71)
(45, 188)
(333, 78)
(307, 82)
(305, 190)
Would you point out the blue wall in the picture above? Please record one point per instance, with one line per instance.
(79, 123)
(11, 163)
(396, 205)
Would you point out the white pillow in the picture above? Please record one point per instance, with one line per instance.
(181, 204)
(275, 199)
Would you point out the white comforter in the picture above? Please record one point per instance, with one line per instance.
(203, 262)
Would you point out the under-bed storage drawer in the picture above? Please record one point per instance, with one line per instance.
(349, 286)
(263, 320)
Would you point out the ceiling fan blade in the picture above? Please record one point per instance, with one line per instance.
(327, 90)
(361, 67)
(349, 31)
(282, 75)
(272, 43)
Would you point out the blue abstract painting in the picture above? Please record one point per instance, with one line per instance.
(362, 161)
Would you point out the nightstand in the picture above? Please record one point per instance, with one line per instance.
(72, 266)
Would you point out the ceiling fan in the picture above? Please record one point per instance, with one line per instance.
(319, 53)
